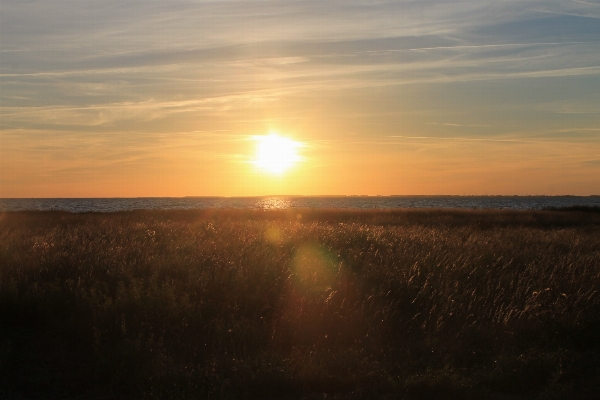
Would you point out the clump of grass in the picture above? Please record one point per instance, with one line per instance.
(281, 304)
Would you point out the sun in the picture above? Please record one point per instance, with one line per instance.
(276, 154)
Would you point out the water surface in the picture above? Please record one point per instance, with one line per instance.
(286, 202)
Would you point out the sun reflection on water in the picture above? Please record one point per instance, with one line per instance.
(273, 203)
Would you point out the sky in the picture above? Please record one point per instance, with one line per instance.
(167, 98)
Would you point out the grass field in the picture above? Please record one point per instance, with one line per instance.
(414, 304)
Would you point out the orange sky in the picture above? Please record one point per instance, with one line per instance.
(152, 99)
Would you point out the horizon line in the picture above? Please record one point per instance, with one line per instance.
(300, 195)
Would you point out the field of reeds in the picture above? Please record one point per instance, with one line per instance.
(310, 304)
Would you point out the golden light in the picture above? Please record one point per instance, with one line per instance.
(276, 154)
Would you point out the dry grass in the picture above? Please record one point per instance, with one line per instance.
(254, 304)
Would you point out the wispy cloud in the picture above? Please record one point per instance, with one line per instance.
(466, 139)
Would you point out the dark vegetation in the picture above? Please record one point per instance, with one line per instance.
(415, 304)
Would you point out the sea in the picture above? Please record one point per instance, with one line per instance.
(296, 202)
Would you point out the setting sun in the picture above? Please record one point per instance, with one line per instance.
(276, 154)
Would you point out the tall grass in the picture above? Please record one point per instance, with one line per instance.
(281, 304)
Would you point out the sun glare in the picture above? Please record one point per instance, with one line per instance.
(276, 154)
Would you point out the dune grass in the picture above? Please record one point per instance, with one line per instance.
(236, 304)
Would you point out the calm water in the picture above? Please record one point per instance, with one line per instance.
(282, 202)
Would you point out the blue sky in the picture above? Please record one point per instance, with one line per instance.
(148, 98)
